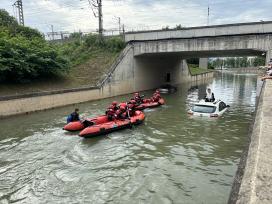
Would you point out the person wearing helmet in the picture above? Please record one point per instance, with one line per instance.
(156, 96)
(110, 112)
(121, 113)
(132, 107)
(137, 98)
(115, 105)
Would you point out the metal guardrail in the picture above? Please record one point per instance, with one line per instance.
(114, 65)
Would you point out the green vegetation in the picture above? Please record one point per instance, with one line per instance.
(236, 62)
(179, 27)
(90, 58)
(28, 63)
(24, 54)
(81, 49)
(194, 69)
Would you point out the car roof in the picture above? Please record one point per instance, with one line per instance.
(203, 103)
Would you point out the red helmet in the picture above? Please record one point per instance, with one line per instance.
(122, 108)
(114, 103)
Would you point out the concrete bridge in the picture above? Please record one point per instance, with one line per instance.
(244, 39)
(152, 58)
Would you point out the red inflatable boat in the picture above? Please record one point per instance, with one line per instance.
(150, 104)
(112, 126)
(80, 125)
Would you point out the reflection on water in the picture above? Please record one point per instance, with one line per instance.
(171, 158)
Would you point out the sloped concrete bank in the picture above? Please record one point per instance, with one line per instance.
(127, 75)
(253, 180)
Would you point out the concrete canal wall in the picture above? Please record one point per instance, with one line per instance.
(253, 182)
(126, 75)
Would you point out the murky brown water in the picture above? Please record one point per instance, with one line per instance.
(171, 158)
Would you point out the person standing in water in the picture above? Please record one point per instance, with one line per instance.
(209, 96)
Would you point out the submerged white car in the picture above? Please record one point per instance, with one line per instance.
(208, 109)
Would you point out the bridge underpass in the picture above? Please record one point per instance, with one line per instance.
(155, 69)
(153, 58)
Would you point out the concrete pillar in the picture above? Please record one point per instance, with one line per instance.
(268, 56)
(203, 63)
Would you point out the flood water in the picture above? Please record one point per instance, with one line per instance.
(171, 158)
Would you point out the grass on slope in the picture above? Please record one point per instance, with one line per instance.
(194, 69)
(89, 63)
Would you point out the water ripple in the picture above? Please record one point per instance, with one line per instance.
(170, 158)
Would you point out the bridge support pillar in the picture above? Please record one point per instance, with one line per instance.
(203, 63)
(268, 56)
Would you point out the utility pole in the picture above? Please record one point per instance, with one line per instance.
(208, 14)
(123, 31)
(208, 17)
(119, 23)
(52, 30)
(96, 6)
(100, 18)
(19, 5)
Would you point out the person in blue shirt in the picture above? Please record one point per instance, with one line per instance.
(73, 116)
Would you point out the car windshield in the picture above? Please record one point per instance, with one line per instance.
(203, 109)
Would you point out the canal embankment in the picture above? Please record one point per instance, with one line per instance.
(27, 103)
(253, 181)
(126, 75)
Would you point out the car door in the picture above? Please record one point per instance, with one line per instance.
(222, 107)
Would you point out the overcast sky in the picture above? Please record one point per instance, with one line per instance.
(72, 15)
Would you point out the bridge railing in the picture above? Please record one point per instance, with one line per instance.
(114, 65)
(203, 31)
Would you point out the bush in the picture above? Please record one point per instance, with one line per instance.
(22, 59)
(24, 54)
(115, 44)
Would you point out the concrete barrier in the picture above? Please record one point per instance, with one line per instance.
(253, 182)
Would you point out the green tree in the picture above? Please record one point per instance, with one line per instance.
(6, 20)
(259, 61)
(179, 27)
(165, 28)
(25, 55)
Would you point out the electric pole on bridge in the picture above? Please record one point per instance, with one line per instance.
(19, 5)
